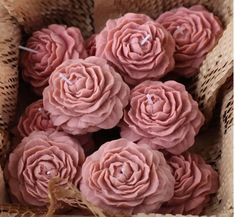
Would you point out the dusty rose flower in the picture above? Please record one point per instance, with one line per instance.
(140, 48)
(162, 115)
(91, 45)
(34, 118)
(196, 31)
(195, 182)
(53, 45)
(38, 158)
(125, 177)
(85, 96)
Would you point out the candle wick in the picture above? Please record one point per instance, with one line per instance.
(42, 111)
(180, 29)
(27, 49)
(149, 98)
(62, 76)
(145, 39)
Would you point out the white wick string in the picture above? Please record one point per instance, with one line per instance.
(62, 76)
(145, 39)
(27, 49)
(42, 111)
(149, 98)
(180, 29)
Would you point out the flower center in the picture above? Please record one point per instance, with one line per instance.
(43, 112)
(149, 99)
(62, 76)
(48, 171)
(180, 29)
(45, 169)
(145, 39)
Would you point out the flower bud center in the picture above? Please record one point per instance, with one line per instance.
(180, 29)
(62, 76)
(145, 39)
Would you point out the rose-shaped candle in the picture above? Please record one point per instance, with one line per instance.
(162, 115)
(91, 45)
(125, 177)
(38, 158)
(140, 48)
(85, 96)
(51, 47)
(195, 182)
(196, 31)
(34, 118)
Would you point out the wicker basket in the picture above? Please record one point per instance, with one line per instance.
(212, 87)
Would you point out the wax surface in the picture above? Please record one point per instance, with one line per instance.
(53, 45)
(38, 158)
(138, 47)
(123, 176)
(162, 115)
(195, 182)
(196, 31)
(88, 97)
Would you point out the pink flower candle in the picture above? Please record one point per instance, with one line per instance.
(124, 177)
(138, 47)
(196, 31)
(38, 158)
(34, 118)
(51, 47)
(195, 182)
(162, 115)
(85, 96)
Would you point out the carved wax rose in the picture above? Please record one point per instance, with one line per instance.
(163, 116)
(195, 182)
(124, 177)
(38, 158)
(196, 31)
(137, 46)
(85, 96)
(51, 47)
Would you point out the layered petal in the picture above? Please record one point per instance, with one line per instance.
(38, 158)
(125, 177)
(196, 31)
(138, 47)
(52, 46)
(162, 115)
(85, 95)
(195, 182)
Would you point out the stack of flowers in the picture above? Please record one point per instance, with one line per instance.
(115, 79)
